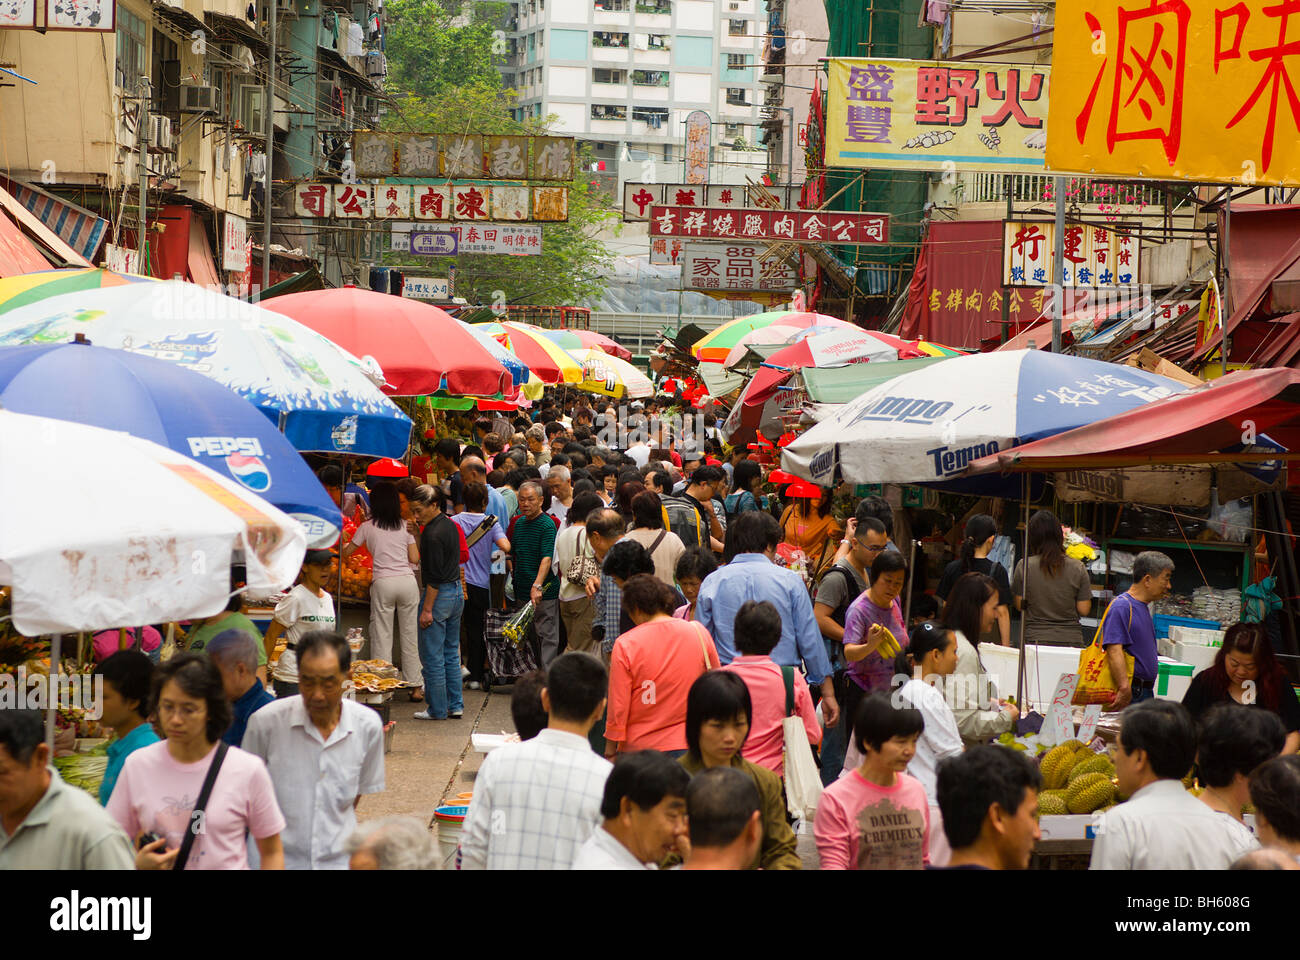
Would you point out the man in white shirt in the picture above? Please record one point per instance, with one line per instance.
(306, 607)
(645, 814)
(323, 754)
(557, 479)
(536, 803)
(1161, 826)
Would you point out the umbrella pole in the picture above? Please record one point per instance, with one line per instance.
(52, 690)
(1020, 676)
(911, 567)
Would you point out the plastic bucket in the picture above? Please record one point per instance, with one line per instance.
(449, 819)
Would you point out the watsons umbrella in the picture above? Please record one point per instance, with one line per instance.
(174, 407)
(930, 424)
(310, 388)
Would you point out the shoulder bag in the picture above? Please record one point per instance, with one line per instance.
(803, 784)
(704, 645)
(1096, 685)
(582, 567)
(196, 815)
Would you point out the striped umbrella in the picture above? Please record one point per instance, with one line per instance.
(28, 288)
(583, 340)
(543, 356)
(717, 344)
(611, 376)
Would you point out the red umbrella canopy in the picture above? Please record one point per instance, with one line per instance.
(420, 348)
(590, 338)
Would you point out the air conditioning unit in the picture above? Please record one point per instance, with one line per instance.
(198, 99)
(733, 6)
(160, 134)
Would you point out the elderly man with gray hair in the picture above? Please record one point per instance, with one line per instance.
(234, 653)
(392, 843)
(1127, 629)
(473, 470)
(535, 437)
(558, 479)
(532, 542)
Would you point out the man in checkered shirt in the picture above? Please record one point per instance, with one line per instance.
(535, 803)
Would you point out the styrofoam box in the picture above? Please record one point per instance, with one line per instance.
(1194, 635)
(1043, 667)
(1198, 656)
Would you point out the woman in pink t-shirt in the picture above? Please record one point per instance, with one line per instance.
(651, 670)
(877, 817)
(159, 785)
(394, 587)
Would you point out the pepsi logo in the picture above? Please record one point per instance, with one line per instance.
(250, 471)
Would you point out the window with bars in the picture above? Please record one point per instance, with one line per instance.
(737, 28)
(602, 75)
(131, 39)
(650, 78)
(737, 61)
(736, 97)
(608, 111)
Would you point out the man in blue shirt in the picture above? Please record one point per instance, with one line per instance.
(753, 575)
(128, 677)
(234, 653)
(1127, 629)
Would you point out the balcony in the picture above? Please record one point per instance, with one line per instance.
(1038, 188)
(609, 91)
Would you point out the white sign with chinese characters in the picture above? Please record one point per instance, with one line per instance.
(426, 288)
(493, 238)
(717, 266)
(665, 251)
(234, 244)
(392, 201)
(638, 198)
(1058, 726)
(1094, 256)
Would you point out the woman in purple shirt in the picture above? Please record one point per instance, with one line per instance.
(875, 610)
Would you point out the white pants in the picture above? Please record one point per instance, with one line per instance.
(403, 595)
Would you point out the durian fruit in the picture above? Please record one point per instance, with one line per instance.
(1090, 791)
(1097, 763)
(1056, 764)
(1061, 792)
(1051, 805)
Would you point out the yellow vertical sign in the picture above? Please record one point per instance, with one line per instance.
(1177, 90)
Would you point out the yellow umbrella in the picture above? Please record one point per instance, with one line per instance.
(539, 353)
(610, 376)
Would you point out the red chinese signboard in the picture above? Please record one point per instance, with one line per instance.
(792, 226)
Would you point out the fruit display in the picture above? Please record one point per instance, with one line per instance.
(1090, 792)
(1058, 762)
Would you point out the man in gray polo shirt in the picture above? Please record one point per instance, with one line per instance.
(323, 754)
(45, 824)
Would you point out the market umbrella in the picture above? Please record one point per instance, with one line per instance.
(174, 407)
(544, 357)
(611, 377)
(313, 390)
(717, 344)
(517, 369)
(928, 425)
(28, 288)
(148, 538)
(420, 348)
(770, 393)
(586, 339)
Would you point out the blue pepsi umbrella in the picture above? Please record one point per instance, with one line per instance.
(171, 406)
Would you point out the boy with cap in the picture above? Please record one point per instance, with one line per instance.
(308, 606)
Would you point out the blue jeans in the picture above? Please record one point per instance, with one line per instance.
(1146, 694)
(440, 653)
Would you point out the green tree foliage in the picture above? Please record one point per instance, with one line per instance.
(444, 80)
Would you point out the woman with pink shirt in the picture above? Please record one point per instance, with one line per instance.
(877, 817)
(159, 786)
(651, 670)
(758, 630)
(394, 587)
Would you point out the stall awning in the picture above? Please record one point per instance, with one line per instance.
(47, 237)
(18, 255)
(842, 384)
(1185, 428)
(80, 229)
(956, 292)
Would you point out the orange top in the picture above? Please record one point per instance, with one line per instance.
(651, 670)
(810, 534)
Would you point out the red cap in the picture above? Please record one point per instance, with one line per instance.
(431, 434)
(387, 469)
(804, 489)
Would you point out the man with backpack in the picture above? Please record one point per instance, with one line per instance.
(691, 515)
(866, 538)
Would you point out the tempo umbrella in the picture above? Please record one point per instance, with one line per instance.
(28, 288)
(310, 388)
(930, 424)
(611, 377)
(421, 349)
(173, 407)
(149, 539)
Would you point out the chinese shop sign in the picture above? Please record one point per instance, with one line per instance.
(923, 115)
(1182, 89)
(1094, 256)
(792, 226)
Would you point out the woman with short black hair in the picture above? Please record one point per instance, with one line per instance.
(719, 713)
(128, 682)
(664, 546)
(158, 789)
(1245, 670)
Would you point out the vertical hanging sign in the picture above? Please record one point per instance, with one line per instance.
(699, 135)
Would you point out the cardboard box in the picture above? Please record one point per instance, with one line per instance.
(1152, 362)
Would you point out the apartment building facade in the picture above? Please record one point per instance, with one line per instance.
(624, 74)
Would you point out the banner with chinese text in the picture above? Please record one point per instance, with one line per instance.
(718, 266)
(792, 226)
(923, 114)
(396, 201)
(467, 156)
(1094, 256)
(1179, 90)
(638, 198)
(491, 238)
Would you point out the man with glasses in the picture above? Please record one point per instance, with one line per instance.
(323, 753)
(864, 539)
